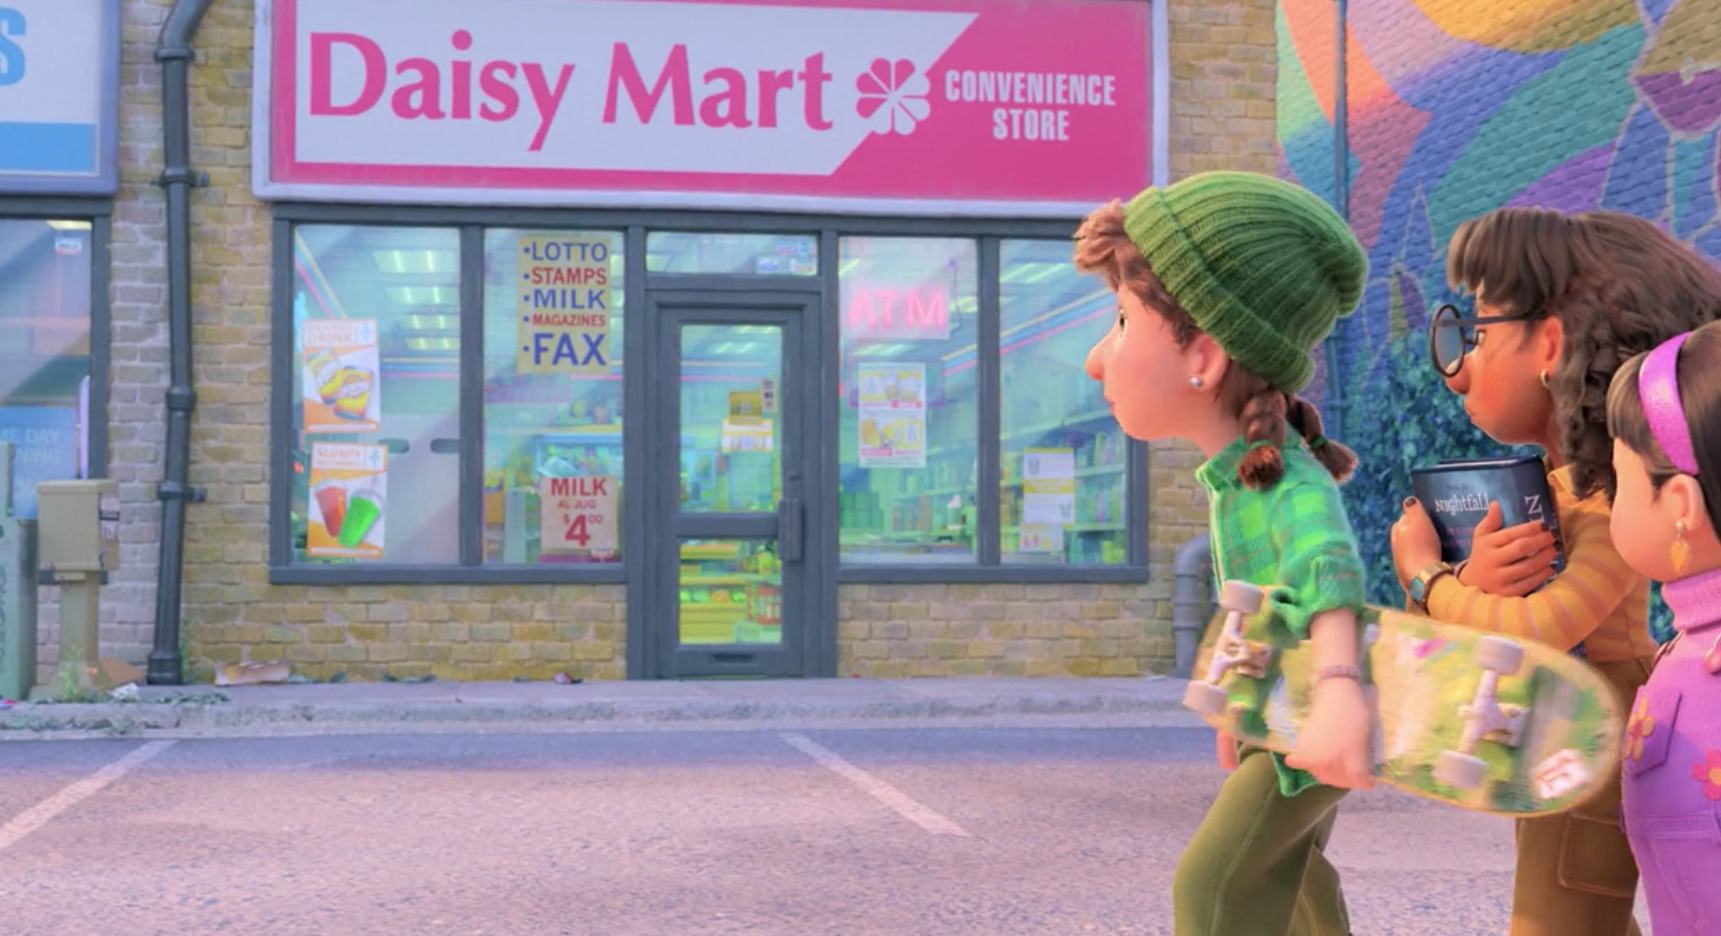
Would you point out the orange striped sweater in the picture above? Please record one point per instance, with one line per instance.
(1598, 600)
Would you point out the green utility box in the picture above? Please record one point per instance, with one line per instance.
(79, 523)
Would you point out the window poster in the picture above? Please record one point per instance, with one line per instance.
(747, 434)
(746, 406)
(342, 393)
(564, 305)
(892, 415)
(46, 448)
(1048, 497)
(577, 513)
(349, 488)
(1039, 537)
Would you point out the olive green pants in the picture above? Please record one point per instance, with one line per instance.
(1576, 875)
(1256, 866)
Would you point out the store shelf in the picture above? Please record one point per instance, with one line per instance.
(728, 580)
(1068, 423)
(1078, 528)
(1115, 469)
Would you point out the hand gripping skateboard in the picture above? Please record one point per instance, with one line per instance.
(1484, 722)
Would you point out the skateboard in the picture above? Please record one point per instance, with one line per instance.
(1484, 722)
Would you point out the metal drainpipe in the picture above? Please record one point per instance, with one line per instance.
(175, 54)
(1193, 574)
(1341, 202)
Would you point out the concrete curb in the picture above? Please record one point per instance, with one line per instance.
(269, 709)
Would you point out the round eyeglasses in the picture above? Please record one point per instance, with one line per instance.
(1452, 336)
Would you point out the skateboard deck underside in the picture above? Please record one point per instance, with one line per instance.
(1421, 676)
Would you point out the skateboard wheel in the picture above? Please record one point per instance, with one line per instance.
(1500, 654)
(1205, 699)
(1462, 771)
(1241, 596)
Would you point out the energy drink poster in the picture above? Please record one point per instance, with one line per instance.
(349, 493)
(342, 392)
(892, 415)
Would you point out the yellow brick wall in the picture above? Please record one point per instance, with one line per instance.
(1222, 116)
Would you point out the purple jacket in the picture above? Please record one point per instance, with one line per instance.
(1672, 763)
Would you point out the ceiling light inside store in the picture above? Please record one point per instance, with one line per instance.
(1047, 270)
(416, 261)
(882, 350)
(429, 323)
(1029, 272)
(424, 295)
(69, 225)
(433, 344)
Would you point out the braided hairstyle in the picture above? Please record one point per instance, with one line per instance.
(1104, 248)
(1264, 412)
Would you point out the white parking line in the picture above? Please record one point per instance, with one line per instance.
(44, 812)
(908, 808)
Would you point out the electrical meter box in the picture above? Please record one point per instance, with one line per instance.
(78, 525)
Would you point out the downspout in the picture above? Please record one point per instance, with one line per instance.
(1192, 572)
(1341, 200)
(175, 54)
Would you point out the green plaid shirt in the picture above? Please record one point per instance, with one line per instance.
(1294, 539)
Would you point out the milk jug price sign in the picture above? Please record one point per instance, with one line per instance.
(577, 514)
(564, 305)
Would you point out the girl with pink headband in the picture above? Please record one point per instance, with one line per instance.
(1664, 413)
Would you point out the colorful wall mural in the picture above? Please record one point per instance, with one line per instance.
(1456, 107)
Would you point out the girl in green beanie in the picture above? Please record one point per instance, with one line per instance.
(1226, 282)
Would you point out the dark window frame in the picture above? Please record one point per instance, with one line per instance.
(633, 225)
(99, 212)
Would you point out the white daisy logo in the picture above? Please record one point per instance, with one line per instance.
(893, 96)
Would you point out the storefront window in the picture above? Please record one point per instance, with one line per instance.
(1064, 490)
(553, 327)
(910, 416)
(376, 415)
(45, 269)
(733, 254)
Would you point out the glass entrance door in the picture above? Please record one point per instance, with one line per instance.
(732, 463)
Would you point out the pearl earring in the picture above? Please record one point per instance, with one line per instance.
(1195, 383)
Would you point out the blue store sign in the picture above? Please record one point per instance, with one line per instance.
(59, 96)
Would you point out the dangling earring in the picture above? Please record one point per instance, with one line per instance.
(1677, 552)
(1544, 376)
(1195, 383)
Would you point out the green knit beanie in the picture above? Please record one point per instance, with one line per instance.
(1263, 266)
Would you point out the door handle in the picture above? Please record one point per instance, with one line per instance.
(790, 520)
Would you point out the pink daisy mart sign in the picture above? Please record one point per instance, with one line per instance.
(1022, 107)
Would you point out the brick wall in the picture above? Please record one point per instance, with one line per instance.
(137, 424)
(1223, 76)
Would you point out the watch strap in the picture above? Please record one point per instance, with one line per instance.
(1424, 582)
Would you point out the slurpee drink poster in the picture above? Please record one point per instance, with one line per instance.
(349, 492)
(342, 389)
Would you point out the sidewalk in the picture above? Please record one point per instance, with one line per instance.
(322, 708)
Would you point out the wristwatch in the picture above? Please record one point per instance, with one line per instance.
(1424, 582)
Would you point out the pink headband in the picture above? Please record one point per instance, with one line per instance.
(1658, 388)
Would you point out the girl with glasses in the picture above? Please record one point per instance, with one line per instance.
(1561, 301)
